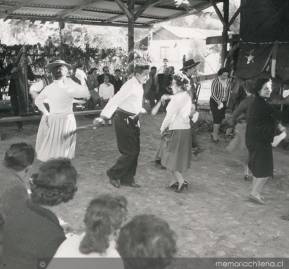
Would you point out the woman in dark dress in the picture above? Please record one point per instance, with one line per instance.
(261, 126)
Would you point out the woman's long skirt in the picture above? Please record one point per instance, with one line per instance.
(260, 160)
(176, 153)
(53, 140)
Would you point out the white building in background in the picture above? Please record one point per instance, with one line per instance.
(174, 43)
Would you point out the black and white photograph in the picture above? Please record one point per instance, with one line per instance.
(144, 134)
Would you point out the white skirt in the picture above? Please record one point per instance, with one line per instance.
(52, 140)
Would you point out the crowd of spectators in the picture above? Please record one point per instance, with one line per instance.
(32, 236)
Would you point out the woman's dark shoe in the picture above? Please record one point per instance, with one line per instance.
(247, 178)
(114, 182)
(134, 185)
(174, 186)
(182, 187)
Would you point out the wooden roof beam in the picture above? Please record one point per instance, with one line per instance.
(236, 14)
(149, 3)
(141, 9)
(125, 9)
(84, 4)
(221, 17)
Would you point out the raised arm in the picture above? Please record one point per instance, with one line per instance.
(116, 100)
(76, 90)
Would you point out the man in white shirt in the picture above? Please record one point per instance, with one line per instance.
(127, 103)
(105, 91)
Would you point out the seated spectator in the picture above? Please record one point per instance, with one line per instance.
(17, 162)
(118, 80)
(103, 219)
(106, 91)
(146, 242)
(105, 70)
(32, 232)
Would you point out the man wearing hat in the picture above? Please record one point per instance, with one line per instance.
(58, 119)
(190, 71)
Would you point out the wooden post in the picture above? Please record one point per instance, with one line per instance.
(61, 27)
(131, 21)
(225, 30)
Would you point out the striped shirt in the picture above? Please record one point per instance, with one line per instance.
(219, 92)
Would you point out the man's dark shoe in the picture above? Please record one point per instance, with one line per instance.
(134, 185)
(114, 182)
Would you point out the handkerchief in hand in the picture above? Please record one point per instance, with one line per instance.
(278, 138)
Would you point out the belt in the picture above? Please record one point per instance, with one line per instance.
(129, 117)
(126, 112)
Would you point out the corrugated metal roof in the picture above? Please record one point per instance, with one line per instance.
(106, 12)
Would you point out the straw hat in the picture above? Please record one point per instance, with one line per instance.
(56, 63)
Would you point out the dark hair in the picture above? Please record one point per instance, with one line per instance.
(154, 67)
(19, 156)
(92, 70)
(103, 217)
(117, 70)
(139, 69)
(181, 81)
(55, 183)
(146, 242)
(259, 84)
(223, 70)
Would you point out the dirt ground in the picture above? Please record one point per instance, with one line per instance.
(212, 219)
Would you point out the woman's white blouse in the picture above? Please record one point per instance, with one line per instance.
(59, 96)
(178, 112)
(70, 248)
(69, 256)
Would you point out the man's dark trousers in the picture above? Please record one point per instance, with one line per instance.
(128, 142)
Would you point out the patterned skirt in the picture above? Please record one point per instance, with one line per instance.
(52, 140)
(176, 153)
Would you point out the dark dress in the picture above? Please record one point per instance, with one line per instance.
(32, 234)
(260, 132)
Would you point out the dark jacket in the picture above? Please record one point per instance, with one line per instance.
(32, 234)
(118, 82)
(261, 122)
